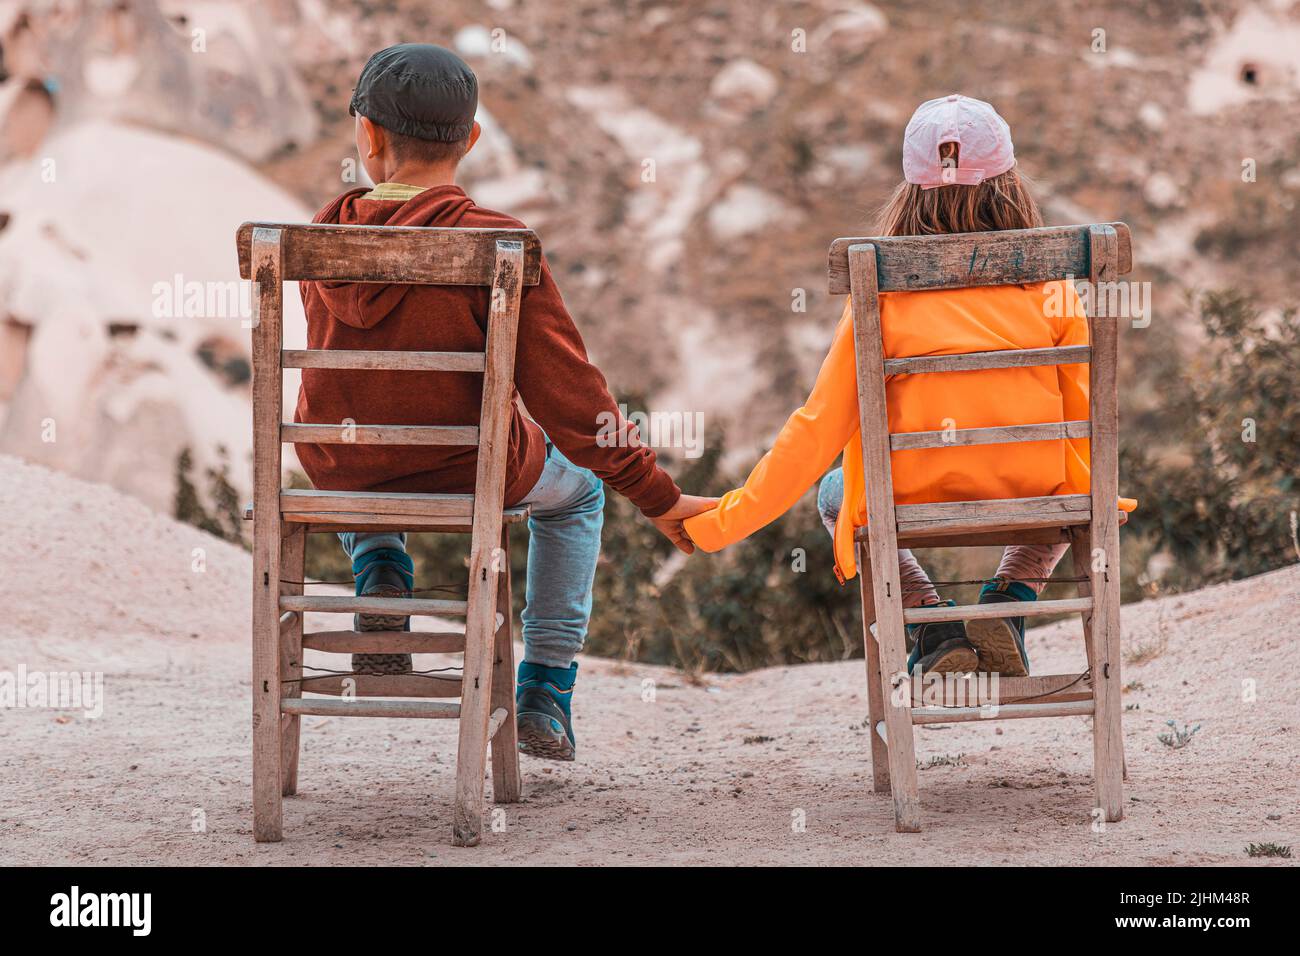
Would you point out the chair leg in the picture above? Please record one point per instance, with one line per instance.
(475, 698)
(901, 746)
(898, 714)
(1107, 728)
(268, 807)
(293, 553)
(875, 693)
(507, 786)
(1081, 554)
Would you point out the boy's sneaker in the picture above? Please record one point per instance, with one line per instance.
(941, 648)
(542, 705)
(383, 573)
(1000, 641)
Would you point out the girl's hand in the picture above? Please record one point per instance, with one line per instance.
(671, 522)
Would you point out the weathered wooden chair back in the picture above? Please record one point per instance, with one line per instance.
(865, 267)
(506, 260)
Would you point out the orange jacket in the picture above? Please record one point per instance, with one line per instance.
(929, 323)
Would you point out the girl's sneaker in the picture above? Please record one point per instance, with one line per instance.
(941, 648)
(542, 711)
(1000, 641)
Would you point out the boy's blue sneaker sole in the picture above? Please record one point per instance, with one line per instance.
(541, 736)
(382, 579)
(544, 730)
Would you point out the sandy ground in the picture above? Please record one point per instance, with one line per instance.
(711, 771)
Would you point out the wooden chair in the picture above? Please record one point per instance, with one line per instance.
(1089, 523)
(506, 260)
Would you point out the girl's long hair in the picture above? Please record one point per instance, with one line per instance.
(1002, 202)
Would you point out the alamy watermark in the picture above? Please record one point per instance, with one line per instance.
(74, 908)
(55, 690)
(1121, 300)
(181, 298)
(929, 689)
(684, 430)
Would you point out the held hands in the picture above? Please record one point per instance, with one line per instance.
(671, 522)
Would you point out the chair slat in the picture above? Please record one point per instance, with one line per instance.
(386, 361)
(343, 707)
(385, 642)
(974, 361)
(945, 715)
(383, 685)
(311, 501)
(1047, 431)
(380, 434)
(985, 539)
(318, 523)
(961, 260)
(331, 604)
(959, 517)
(973, 612)
(417, 255)
(997, 537)
(1047, 688)
(395, 521)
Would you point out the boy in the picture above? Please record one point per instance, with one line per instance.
(414, 106)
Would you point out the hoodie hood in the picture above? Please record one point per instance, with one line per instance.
(363, 305)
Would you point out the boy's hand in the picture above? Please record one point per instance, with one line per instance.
(670, 523)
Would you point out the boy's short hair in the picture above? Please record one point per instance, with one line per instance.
(426, 151)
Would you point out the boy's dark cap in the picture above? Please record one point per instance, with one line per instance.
(420, 90)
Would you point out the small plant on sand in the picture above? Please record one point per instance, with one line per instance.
(1177, 739)
(943, 760)
(1145, 651)
(1268, 849)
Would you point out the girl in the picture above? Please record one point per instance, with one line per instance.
(960, 176)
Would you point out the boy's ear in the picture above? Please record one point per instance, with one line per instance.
(374, 136)
(473, 136)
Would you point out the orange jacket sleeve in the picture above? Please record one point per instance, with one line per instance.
(809, 442)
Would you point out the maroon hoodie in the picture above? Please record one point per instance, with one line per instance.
(564, 393)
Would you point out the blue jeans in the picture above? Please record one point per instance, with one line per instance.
(830, 493)
(567, 512)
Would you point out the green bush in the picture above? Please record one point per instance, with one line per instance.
(1218, 481)
(224, 515)
(770, 599)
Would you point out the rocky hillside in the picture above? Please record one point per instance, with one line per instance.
(686, 166)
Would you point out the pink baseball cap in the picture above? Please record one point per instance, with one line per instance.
(983, 138)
